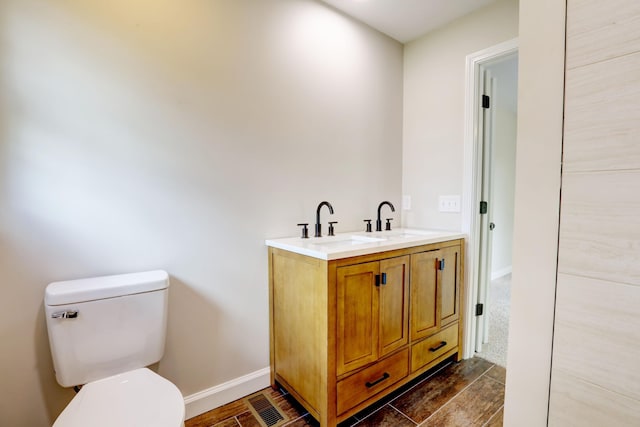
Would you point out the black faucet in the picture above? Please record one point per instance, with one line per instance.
(318, 226)
(379, 221)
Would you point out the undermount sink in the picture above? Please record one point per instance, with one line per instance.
(397, 235)
(407, 235)
(345, 240)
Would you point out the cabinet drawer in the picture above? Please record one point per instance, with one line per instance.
(366, 383)
(433, 347)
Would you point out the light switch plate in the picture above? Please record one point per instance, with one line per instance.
(449, 203)
(406, 202)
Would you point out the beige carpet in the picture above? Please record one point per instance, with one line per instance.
(498, 311)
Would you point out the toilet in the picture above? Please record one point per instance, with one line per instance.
(103, 332)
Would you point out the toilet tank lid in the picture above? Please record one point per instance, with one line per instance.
(96, 288)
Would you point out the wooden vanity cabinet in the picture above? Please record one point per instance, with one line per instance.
(346, 332)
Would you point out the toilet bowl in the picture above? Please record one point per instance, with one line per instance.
(103, 332)
(132, 399)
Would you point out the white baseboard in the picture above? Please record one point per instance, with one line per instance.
(211, 398)
(500, 273)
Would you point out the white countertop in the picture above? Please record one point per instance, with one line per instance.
(345, 245)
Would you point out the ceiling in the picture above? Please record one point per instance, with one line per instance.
(406, 20)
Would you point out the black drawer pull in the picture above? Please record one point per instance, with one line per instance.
(379, 380)
(438, 347)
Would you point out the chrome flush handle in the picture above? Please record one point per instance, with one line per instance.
(69, 314)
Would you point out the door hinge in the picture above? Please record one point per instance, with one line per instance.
(486, 101)
(483, 208)
(479, 309)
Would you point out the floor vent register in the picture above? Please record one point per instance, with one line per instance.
(265, 411)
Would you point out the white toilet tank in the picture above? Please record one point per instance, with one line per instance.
(103, 326)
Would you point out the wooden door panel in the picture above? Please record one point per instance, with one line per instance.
(394, 309)
(448, 280)
(357, 322)
(425, 314)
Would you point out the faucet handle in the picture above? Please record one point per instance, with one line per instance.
(388, 226)
(305, 230)
(331, 230)
(368, 221)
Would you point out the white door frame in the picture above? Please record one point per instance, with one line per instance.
(486, 122)
(473, 179)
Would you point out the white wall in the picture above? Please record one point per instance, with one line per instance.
(535, 250)
(433, 121)
(179, 135)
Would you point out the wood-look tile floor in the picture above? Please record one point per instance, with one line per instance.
(469, 393)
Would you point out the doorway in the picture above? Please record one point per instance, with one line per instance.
(498, 190)
(489, 197)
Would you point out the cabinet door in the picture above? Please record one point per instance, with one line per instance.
(448, 283)
(394, 310)
(357, 316)
(425, 314)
